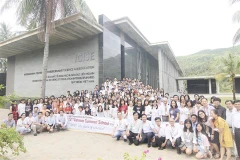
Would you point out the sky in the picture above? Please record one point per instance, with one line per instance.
(188, 25)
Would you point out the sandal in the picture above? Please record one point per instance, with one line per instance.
(217, 156)
(210, 154)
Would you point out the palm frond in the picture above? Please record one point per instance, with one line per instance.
(236, 37)
(233, 1)
(221, 76)
(8, 4)
(236, 17)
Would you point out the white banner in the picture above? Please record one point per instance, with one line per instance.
(91, 124)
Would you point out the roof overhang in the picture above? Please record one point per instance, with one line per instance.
(127, 26)
(202, 77)
(74, 27)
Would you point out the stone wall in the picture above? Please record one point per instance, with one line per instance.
(72, 66)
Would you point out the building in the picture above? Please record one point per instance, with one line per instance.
(83, 53)
(206, 84)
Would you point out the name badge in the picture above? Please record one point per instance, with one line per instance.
(187, 140)
(172, 117)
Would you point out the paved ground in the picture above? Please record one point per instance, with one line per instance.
(77, 145)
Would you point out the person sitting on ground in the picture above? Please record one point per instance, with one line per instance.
(120, 127)
(134, 130)
(50, 122)
(61, 121)
(22, 127)
(148, 131)
(9, 122)
(201, 143)
(187, 137)
(160, 137)
(173, 135)
(38, 124)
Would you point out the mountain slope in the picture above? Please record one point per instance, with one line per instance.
(205, 62)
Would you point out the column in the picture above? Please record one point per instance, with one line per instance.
(210, 86)
(217, 87)
(160, 67)
(122, 56)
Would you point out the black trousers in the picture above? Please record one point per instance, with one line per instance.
(158, 141)
(237, 140)
(177, 143)
(147, 137)
(132, 138)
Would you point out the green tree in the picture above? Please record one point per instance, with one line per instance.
(41, 14)
(5, 31)
(230, 66)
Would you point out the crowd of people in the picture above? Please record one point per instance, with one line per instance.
(142, 115)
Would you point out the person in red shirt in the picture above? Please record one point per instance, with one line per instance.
(68, 109)
(123, 108)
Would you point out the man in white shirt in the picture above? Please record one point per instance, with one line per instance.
(236, 126)
(206, 107)
(160, 137)
(229, 112)
(134, 130)
(148, 130)
(173, 135)
(61, 121)
(120, 127)
(164, 110)
(38, 124)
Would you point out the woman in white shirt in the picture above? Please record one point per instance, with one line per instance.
(155, 111)
(22, 126)
(114, 110)
(187, 137)
(107, 112)
(184, 113)
(100, 112)
(130, 111)
(21, 107)
(148, 110)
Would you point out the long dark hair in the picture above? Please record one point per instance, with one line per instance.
(175, 103)
(203, 130)
(201, 120)
(185, 128)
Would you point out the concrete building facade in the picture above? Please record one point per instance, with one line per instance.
(83, 54)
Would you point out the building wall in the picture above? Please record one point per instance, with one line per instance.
(170, 74)
(72, 66)
(10, 75)
(123, 57)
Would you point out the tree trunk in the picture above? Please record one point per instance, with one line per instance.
(46, 49)
(45, 64)
(234, 88)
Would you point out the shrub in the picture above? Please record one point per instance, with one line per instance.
(10, 139)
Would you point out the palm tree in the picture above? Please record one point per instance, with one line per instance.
(5, 31)
(236, 18)
(229, 69)
(41, 14)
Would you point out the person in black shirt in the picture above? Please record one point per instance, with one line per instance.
(139, 108)
(220, 110)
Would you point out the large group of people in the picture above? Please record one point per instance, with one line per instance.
(142, 115)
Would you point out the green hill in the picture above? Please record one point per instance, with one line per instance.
(205, 62)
